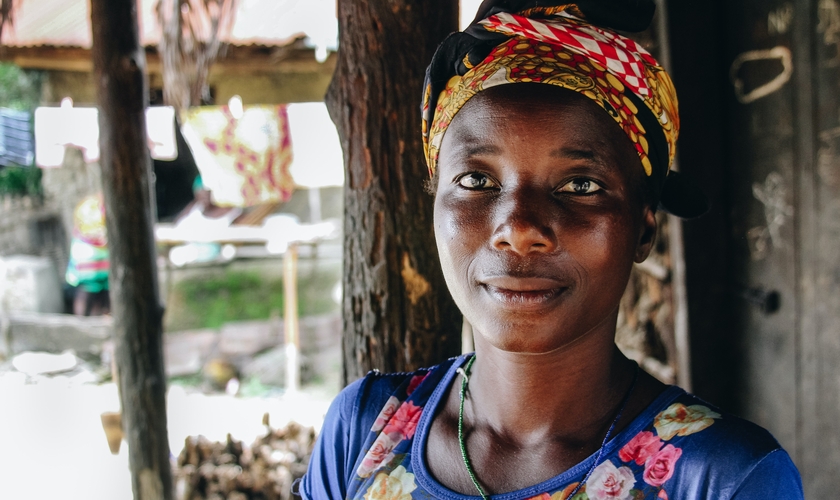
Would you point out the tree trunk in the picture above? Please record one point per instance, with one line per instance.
(126, 173)
(398, 314)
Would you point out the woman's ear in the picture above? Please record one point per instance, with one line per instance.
(647, 235)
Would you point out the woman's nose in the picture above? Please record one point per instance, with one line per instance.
(523, 227)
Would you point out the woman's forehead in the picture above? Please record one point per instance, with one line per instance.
(548, 116)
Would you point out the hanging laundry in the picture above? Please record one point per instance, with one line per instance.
(16, 144)
(57, 128)
(244, 161)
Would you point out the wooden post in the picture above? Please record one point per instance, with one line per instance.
(5, 335)
(119, 65)
(290, 319)
(398, 314)
(675, 234)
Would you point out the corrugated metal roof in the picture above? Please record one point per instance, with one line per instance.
(66, 23)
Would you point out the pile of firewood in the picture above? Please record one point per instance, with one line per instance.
(230, 471)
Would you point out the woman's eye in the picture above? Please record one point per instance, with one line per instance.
(474, 180)
(580, 186)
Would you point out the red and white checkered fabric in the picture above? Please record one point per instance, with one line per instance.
(622, 57)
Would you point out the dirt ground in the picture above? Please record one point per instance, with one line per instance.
(52, 445)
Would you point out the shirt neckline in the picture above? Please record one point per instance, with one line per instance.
(427, 482)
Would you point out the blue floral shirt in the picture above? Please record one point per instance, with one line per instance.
(372, 447)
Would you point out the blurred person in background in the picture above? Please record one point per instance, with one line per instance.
(88, 266)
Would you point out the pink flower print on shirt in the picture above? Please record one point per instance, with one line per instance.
(414, 383)
(659, 467)
(681, 420)
(609, 482)
(381, 452)
(662, 495)
(385, 415)
(404, 422)
(643, 445)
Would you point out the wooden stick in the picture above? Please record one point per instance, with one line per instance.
(292, 332)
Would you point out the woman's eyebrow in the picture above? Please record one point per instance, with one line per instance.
(481, 149)
(573, 153)
(474, 146)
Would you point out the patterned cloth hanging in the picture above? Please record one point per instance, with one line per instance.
(244, 161)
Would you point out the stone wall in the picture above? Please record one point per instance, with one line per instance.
(43, 227)
(31, 227)
(66, 186)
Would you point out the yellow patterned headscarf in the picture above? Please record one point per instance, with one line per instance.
(556, 45)
(89, 221)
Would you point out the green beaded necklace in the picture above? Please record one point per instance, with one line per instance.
(465, 373)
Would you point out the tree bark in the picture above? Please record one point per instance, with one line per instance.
(398, 314)
(126, 177)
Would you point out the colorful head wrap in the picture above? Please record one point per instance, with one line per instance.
(89, 221)
(558, 43)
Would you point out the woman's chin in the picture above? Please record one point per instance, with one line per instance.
(521, 337)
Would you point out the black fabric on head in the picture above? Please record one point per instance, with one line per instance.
(669, 190)
(683, 198)
(657, 147)
(622, 15)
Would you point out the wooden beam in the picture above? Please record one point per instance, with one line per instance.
(122, 96)
(78, 65)
(237, 60)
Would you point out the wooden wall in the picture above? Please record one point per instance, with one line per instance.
(758, 83)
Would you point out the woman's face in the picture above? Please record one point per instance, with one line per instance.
(539, 216)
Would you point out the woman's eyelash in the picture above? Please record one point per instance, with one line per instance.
(580, 186)
(475, 180)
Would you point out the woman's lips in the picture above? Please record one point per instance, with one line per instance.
(517, 292)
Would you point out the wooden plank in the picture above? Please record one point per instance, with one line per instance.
(697, 72)
(806, 456)
(763, 130)
(676, 240)
(820, 190)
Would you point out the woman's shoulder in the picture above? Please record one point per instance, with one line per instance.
(677, 414)
(367, 396)
(704, 452)
(710, 427)
(354, 419)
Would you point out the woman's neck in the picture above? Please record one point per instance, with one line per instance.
(569, 392)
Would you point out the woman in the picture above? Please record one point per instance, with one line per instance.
(542, 205)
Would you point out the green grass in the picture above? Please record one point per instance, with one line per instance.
(21, 181)
(212, 300)
(19, 89)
